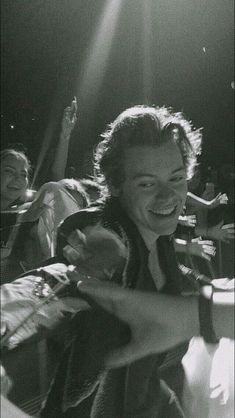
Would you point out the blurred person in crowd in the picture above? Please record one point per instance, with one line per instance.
(93, 189)
(37, 230)
(15, 168)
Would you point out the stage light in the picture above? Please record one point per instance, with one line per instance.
(93, 71)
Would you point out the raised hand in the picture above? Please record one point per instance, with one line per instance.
(96, 251)
(69, 118)
(221, 232)
(201, 248)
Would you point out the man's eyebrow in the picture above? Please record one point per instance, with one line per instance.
(139, 175)
(178, 170)
(9, 166)
(13, 168)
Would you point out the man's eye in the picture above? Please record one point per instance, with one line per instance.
(146, 185)
(177, 179)
(9, 171)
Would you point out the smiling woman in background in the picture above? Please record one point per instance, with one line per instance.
(15, 168)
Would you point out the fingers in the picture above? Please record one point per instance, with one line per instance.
(223, 199)
(206, 242)
(125, 355)
(71, 254)
(197, 239)
(76, 250)
(206, 256)
(229, 231)
(75, 304)
(210, 250)
(228, 226)
(109, 296)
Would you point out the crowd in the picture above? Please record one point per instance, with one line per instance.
(145, 221)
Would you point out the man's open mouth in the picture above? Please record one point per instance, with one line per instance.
(12, 188)
(164, 211)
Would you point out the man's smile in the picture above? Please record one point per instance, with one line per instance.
(164, 211)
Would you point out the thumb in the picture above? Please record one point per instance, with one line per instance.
(196, 239)
(124, 355)
(220, 224)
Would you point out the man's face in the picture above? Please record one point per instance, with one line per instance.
(155, 188)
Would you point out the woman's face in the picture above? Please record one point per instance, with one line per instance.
(14, 178)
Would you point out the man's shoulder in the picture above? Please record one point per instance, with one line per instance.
(80, 219)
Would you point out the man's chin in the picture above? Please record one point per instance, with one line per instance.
(165, 228)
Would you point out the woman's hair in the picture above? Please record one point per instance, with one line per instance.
(76, 188)
(144, 125)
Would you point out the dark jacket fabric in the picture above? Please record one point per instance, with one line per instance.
(82, 387)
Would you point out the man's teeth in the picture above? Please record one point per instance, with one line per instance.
(167, 211)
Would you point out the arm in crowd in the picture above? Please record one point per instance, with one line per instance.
(196, 247)
(24, 299)
(220, 232)
(68, 122)
(198, 202)
(158, 322)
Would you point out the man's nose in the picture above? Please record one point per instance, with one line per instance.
(166, 194)
(18, 178)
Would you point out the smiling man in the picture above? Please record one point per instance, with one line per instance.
(143, 163)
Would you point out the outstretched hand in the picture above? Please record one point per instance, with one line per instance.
(202, 248)
(151, 318)
(221, 232)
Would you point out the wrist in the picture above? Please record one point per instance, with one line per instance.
(65, 134)
(192, 325)
(205, 310)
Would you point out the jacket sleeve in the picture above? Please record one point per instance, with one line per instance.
(19, 300)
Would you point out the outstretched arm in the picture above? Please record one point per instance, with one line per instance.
(61, 155)
(198, 202)
(157, 322)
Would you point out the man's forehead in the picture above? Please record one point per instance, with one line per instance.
(149, 160)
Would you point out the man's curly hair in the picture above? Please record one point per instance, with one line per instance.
(143, 125)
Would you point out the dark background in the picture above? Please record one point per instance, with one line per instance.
(181, 55)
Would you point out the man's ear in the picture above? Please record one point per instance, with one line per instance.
(114, 191)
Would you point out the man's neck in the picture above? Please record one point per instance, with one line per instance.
(149, 237)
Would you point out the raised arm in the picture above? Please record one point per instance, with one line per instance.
(61, 155)
(198, 202)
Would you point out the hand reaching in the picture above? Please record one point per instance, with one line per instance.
(221, 232)
(201, 248)
(151, 318)
(188, 220)
(98, 252)
(69, 118)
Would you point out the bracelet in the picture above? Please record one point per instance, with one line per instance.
(205, 316)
